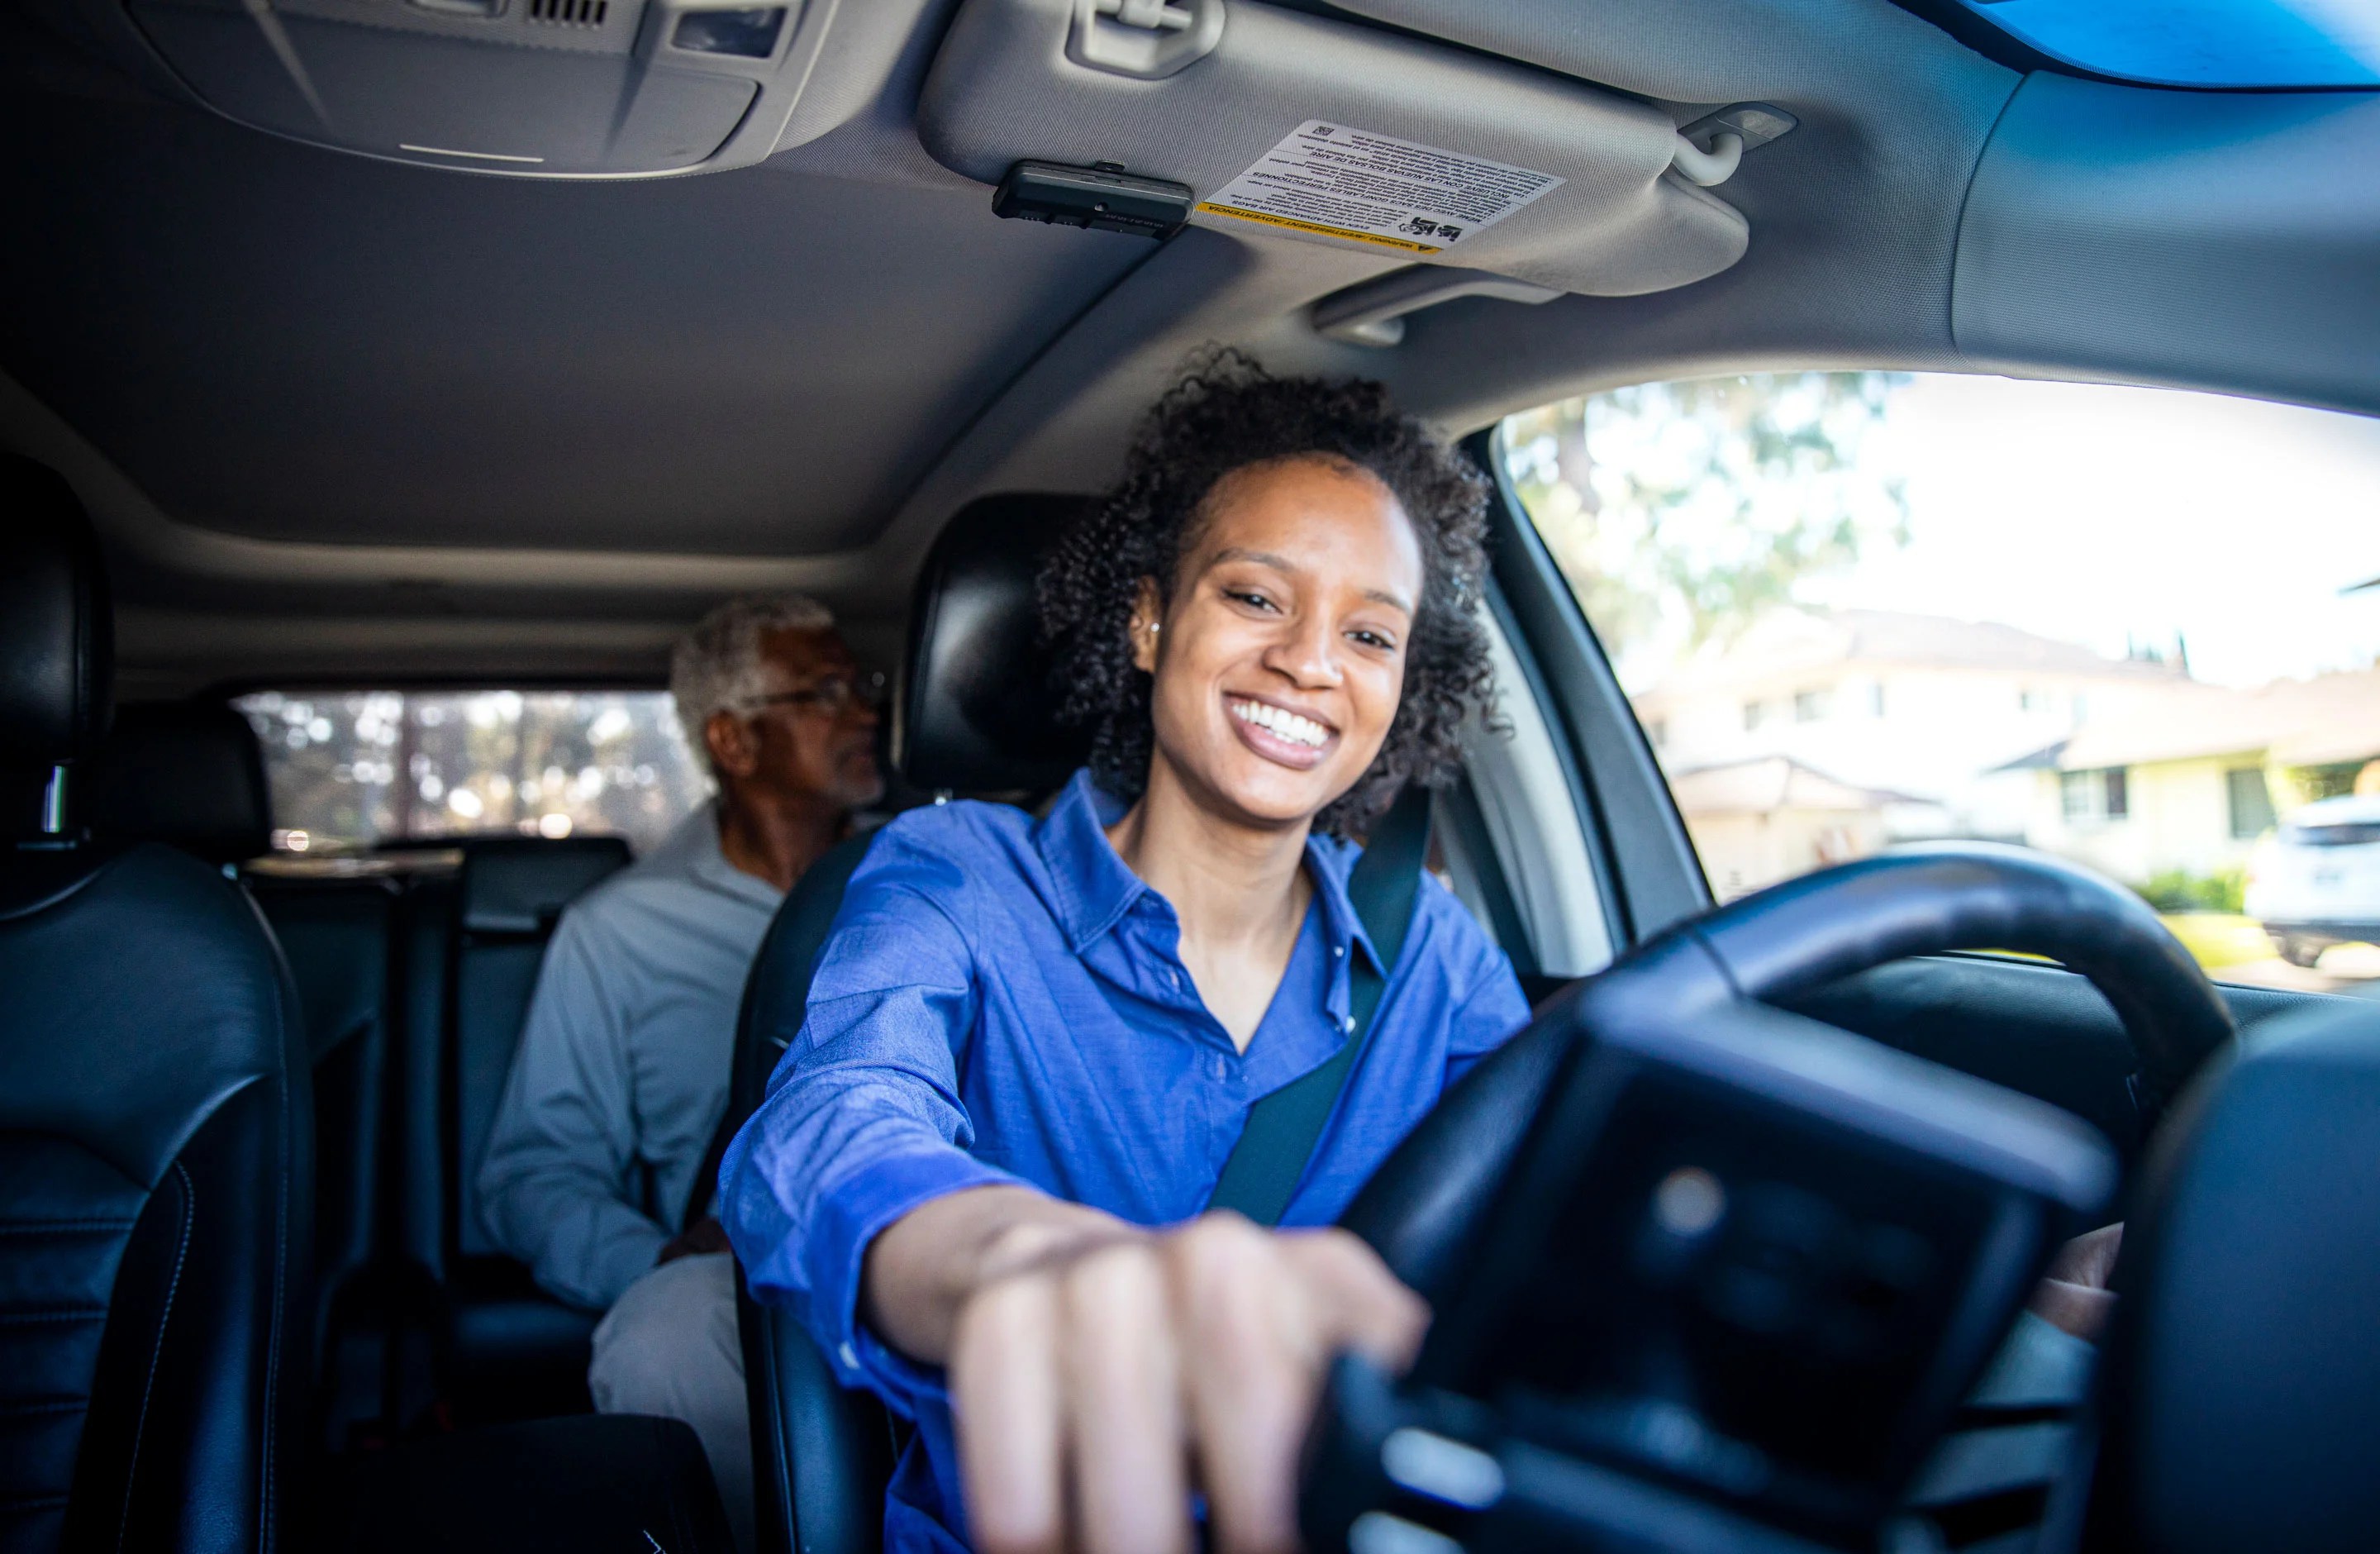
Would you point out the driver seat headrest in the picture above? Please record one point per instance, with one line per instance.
(57, 637)
(975, 713)
(186, 773)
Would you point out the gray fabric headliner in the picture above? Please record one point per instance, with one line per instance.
(1010, 358)
(282, 342)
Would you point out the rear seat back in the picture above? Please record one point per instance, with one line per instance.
(512, 893)
(191, 775)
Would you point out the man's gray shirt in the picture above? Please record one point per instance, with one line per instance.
(622, 1072)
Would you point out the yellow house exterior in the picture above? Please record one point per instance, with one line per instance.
(2161, 792)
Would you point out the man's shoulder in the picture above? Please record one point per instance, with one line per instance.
(663, 883)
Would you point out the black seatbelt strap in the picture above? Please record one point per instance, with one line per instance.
(1283, 1129)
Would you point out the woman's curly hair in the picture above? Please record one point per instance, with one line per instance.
(1227, 413)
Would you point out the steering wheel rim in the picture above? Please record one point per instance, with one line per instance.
(1421, 1208)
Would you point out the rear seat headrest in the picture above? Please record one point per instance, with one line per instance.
(974, 712)
(186, 773)
(520, 886)
(57, 635)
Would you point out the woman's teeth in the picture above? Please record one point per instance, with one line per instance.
(1287, 725)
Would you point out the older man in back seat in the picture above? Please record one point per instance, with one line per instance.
(622, 1068)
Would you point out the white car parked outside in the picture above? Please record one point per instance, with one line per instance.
(2316, 881)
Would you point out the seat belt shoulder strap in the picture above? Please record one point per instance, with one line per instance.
(1274, 1148)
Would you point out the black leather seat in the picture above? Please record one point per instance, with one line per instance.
(514, 1352)
(154, 1182)
(2243, 1384)
(973, 715)
(186, 773)
(191, 775)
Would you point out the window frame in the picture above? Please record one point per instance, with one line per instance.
(1648, 873)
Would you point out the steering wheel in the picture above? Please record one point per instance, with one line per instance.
(1421, 1208)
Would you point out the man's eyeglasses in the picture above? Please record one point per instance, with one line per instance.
(830, 696)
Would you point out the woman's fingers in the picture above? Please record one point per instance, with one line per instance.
(1091, 1390)
(1123, 1404)
(2074, 1295)
(1007, 1396)
(1358, 1303)
(1249, 1332)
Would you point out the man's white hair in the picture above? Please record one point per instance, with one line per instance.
(716, 667)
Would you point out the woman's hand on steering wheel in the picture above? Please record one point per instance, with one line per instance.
(1099, 1374)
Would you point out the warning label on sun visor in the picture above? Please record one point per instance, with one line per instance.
(1326, 180)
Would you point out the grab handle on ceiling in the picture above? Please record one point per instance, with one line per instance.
(1708, 168)
(1727, 134)
(1372, 312)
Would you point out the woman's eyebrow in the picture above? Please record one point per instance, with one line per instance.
(1282, 563)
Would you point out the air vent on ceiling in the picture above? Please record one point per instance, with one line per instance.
(569, 13)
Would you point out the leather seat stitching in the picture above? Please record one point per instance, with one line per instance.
(156, 1354)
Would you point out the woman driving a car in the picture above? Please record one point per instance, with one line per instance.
(981, 1174)
(1031, 1045)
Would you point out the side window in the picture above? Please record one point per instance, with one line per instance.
(353, 770)
(2135, 627)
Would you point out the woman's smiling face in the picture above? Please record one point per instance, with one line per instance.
(1279, 661)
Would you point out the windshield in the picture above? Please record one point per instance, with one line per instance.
(2202, 43)
(2135, 627)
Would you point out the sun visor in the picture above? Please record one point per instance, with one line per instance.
(1290, 128)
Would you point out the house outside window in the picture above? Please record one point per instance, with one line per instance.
(1809, 707)
(1753, 712)
(2092, 797)
(2250, 801)
(2075, 795)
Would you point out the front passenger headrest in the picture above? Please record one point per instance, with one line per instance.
(185, 773)
(976, 714)
(58, 637)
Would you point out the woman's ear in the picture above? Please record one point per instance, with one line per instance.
(1146, 624)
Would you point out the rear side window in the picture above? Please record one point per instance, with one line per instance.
(2135, 627)
(352, 770)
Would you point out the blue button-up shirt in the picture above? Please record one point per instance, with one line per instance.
(1003, 1002)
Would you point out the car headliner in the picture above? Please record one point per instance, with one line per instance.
(344, 418)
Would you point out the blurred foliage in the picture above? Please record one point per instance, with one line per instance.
(1681, 511)
(2178, 890)
(352, 769)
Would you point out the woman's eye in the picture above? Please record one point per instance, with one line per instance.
(1253, 600)
(1372, 639)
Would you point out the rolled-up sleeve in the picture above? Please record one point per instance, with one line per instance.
(862, 1122)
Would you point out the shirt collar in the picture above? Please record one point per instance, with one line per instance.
(1092, 888)
(695, 847)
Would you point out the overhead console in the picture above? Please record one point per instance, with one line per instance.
(1299, 127)
(572, 88)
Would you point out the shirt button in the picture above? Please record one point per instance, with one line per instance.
(850, 1360)
(1350, 1023)
(1338, 949)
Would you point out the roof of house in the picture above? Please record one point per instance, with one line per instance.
(1768, 783)
(1799, 641)
(2327, 719)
